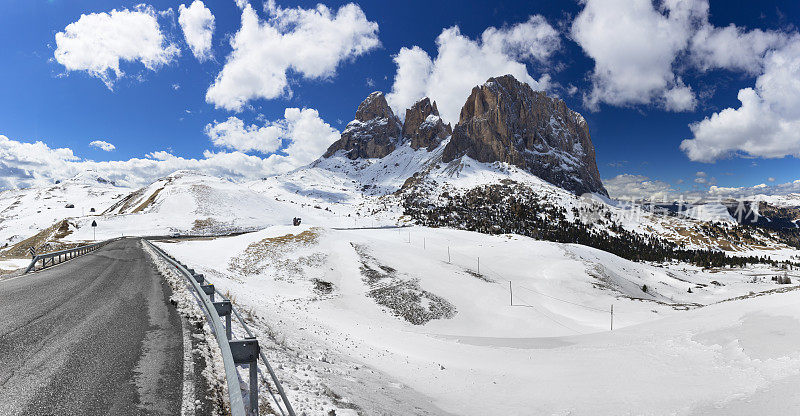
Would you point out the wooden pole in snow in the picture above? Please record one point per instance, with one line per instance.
(479, 265)
(448, 254)
(612, 317)
(510, 294)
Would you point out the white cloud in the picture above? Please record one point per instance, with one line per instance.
(634, 46)
(637, 187)
(640, 47)
(97, 42)
(679, 98)
(233, 134)
(732, 47)
(308, 136)
(462, 63)
(197, 24)
(310, 42)
(27, 164)
(102, 145)
(766, 124)
(414, 68)
(760, 189)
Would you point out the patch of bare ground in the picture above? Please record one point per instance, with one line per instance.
(148, 202)
(273, 252)
(403, 297)
(44, 241)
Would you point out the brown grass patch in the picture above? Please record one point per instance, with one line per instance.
(44, 241)
(272, 251)
(149, 201)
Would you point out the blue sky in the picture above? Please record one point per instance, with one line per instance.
(166, 108)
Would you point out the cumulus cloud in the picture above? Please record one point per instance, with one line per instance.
(640, 47)
(766, 124)
(27, 164)
(307, 134)
(304, 136)
(731, 47)
(462, 63)
(679, 98)
(756, 190)
(309, 42)
(633, 46)
(97, 42)
(102, 145)
(233, 134)
(197, 24)
(638, 187)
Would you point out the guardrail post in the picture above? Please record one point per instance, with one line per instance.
(209, 290)
(246, 352)
(224, 308)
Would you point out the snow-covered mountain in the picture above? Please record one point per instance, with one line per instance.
(503, 120)
(25, 212)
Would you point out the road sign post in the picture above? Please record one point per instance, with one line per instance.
(94, 232)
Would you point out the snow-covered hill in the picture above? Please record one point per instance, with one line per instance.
(190, 202)
(25, 212)
(374, 320)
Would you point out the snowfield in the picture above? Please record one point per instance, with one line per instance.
(25, 212)
(327, 302)
(362, 313)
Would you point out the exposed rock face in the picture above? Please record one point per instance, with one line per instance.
(424, 127)
(505, 120)
(373, 134)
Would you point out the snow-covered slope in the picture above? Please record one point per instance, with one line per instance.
(786, 201)
(427, 315)
(25, 212)
(189, 202)
(372, 191)
(710, 212)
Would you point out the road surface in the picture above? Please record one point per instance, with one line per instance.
(95, 335)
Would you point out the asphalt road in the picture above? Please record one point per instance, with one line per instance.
(93, 336)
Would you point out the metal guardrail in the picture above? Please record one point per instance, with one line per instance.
(57, 257)
(234, 352)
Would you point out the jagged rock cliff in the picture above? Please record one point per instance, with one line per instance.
(505, 120)
(423, 126)
(374, 133)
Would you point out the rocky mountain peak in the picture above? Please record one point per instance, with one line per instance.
(374, 106)
(505, 120)
(423, 125)
(374, 133)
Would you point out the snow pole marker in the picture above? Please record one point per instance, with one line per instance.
(612, 316)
